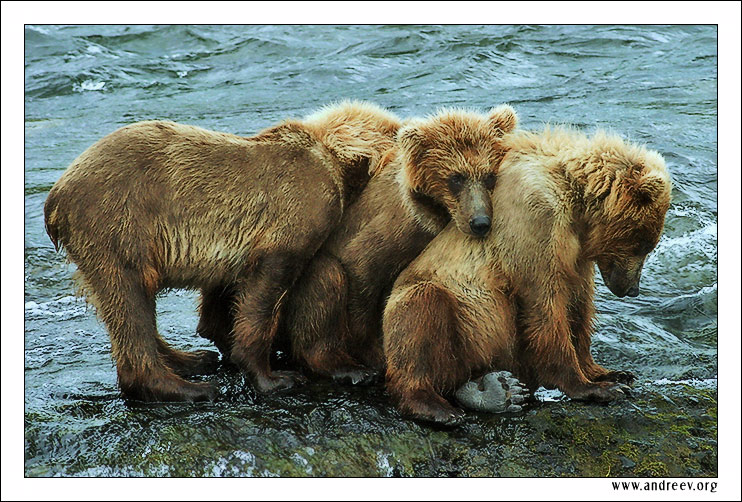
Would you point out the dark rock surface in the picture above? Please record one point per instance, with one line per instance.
(329, 430)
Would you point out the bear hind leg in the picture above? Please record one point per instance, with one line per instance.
(257, 314)
(128, 311)
(318, 326)
(422, 353)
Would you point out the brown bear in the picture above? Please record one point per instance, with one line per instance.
(443, 168)
(157, 205)
(522, 300)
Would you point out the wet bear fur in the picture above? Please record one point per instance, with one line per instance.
(158, 205)
(522, 300)
(443, 168)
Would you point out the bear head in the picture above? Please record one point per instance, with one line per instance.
(628, 195)
(450, 165)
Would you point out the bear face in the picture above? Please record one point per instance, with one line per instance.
(451, 162)
(629, 218)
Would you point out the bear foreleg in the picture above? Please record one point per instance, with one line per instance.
(216, 319)
(550, 352)
(582, 312)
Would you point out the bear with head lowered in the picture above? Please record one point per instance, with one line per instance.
(522, 299)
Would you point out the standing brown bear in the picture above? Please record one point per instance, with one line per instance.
(522, 300)
(442, 169)
(157, 205)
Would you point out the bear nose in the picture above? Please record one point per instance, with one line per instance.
(480, 225)
(634, 291)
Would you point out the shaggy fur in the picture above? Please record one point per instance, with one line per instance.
(333, 316)
(523, 299)
(158, 205)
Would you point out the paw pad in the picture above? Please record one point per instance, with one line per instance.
(495, 392)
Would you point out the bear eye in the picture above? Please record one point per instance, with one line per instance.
(489, 181)
(456, 181)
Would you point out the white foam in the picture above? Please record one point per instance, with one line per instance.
(548, 395)
(38, 29)
(89, 85)
(382, 462)
(707, 383)
(65, 307)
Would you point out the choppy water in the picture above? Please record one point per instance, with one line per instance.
(653, 84)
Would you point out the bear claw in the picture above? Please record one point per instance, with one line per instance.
(623, 377)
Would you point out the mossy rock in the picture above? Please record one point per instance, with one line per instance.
(328, 430)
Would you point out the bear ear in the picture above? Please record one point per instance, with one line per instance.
(645, 188)
(648, 190)
(503, 119)
(412, 141)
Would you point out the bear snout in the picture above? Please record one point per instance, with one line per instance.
(621, 282)
(480, 225)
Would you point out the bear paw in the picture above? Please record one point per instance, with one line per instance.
(355, 376)
(169, 388)
(434, 412)
(495, 392)
(279, 380)
(623, 377)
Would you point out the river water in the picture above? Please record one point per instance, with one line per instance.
(655, 85)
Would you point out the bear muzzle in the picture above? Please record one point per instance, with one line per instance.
(622, 281)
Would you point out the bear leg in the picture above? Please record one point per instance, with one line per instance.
(581, 313)
(257, 314)
(185, 364)
(216, 317)
(422, 352)
(128, 311)
(317, 322)
(555, 353)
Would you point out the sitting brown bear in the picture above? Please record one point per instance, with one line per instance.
(443, 168)
(157, 205)
(522, 300)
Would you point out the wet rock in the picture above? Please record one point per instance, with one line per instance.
(331, 430)
(627, 463)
